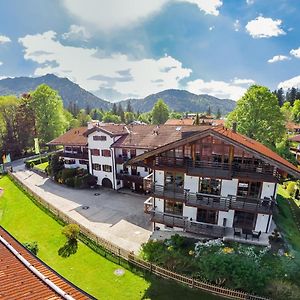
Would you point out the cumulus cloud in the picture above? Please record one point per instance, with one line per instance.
(220, 89)
(94, 72)
(292, 82)
(114, 14)
(243, 81)
(250, 2)
(1, 63)
(4, 39)
(264, 27)
(277, 58)
(295, 52)
(76, 32)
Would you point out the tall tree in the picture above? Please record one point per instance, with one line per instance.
(129, 117)
(114, 109)
(83, 118)
(208, 110)
(258, 116)
(197, 121)
(49, 113)
(120, 112)
(160, 112)
(296, 111)
(129, 107)
(108, 117)
(218, 115)
(293, 94)
(280, 96)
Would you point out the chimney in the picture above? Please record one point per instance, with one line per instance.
(234, 126)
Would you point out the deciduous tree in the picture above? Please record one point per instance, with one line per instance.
(160, 112)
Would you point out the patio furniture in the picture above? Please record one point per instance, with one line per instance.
(246, 232)
(256, 234)
(237, 232)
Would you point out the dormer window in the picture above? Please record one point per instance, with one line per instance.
(99, 138)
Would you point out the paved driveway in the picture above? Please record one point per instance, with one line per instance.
(115, 216)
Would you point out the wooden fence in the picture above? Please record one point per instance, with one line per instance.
(134, 260)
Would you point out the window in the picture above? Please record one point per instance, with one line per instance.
(124, 152)
(174, 181)
(207, 216)
(106, 168)
(105, 153)
(132, 153)
(146, 169)
(83, 162)
(70, 161)
(68, 148)
(249, 189)
(210, 186)
(96, 167)
(174, 208)
(99, 138)
(95, 152)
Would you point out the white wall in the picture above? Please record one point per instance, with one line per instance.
(229, 215)
(262, 222)
(159, 177)
(159, 203)
(190, 212)
(268, 189)
(191, 183)
(229, 187)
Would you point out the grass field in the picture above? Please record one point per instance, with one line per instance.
(88, 270)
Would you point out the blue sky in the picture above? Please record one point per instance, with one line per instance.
(118, 49)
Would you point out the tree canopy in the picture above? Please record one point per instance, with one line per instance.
(258, 116)
(160, 112)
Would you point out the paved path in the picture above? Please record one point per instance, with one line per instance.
(115, 216)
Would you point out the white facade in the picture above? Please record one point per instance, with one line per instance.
(229, 187)
(263, 222)
(228, 216)
(191, 183)
(159, 177)
(268, 190)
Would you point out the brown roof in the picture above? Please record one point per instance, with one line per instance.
(180, 122)
(235, 138)
(73, 137)
(153, 136)
(109, 128)
(292, 126)
(17, 281)
(295, 138)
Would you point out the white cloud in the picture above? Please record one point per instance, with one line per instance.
(243, 81)
(209, 7)
(117, 71)
(295, 52)
(211, 28)
(220, 89)
(264, 27)
(236, 25)
(287, 84)
(277, 58)
(250, 2)
(1, 63)
(115, 14)
(77, 32)
(4, 39)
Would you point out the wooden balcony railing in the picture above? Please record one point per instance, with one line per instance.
(134, 178)
(81, 155)
(189, 226)
(215, 201)
(217, 169)
(121, 159)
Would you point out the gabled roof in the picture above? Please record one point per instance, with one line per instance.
(234, 138)
(180, 122)
(73, 137)
(19, 279)
(109, 128)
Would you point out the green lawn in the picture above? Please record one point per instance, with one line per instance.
(42, 166)
(285, 220)
(90, 271)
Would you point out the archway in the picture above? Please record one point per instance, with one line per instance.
(107, 183)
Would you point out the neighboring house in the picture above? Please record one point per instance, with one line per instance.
(203, 120)
(212, 179)
(180, 122)
(292, 127)
(24, 276)
(296, 150)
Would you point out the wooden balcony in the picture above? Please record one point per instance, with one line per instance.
(78, 155)
(121, 159)
(218, 170)
(205, 229)
(217, 202)
(133, 178)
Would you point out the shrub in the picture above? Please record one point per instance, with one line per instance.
(29, 164)
(71, 232)
(32, 247)
(279, 289)
(67, 173)
(291, 188)
(69, 181)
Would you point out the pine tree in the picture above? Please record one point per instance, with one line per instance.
(208, 111)
(114, 109)
(129, 107)
(120, 113)
(197, 121)
(293, 93)
(218, 115)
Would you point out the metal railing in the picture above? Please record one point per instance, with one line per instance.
(75, 155)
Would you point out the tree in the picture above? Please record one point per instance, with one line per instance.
(175, 115)
(114, 109)
(286, 110)
(83, 118)
(280, 96)
(108, 117)
(197, 121)
(96, 114)
(296, 111)
(120, 112)
(48, 108)
(258, 116)
(129, 107)
(129, 117)
(160, 112)
(293, 93)
(218, 115)
(71, 232)
(208, 110)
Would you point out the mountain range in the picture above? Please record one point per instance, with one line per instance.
(177, 100)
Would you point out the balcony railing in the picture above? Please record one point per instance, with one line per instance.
(75, 155)
(217, 169)
(215, 201)
(121, 159)
(134, 178)
(189, 226)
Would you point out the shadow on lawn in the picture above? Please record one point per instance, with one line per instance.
(69, 248)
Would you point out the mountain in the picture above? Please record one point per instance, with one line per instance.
(182, 101)
(68, 90)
